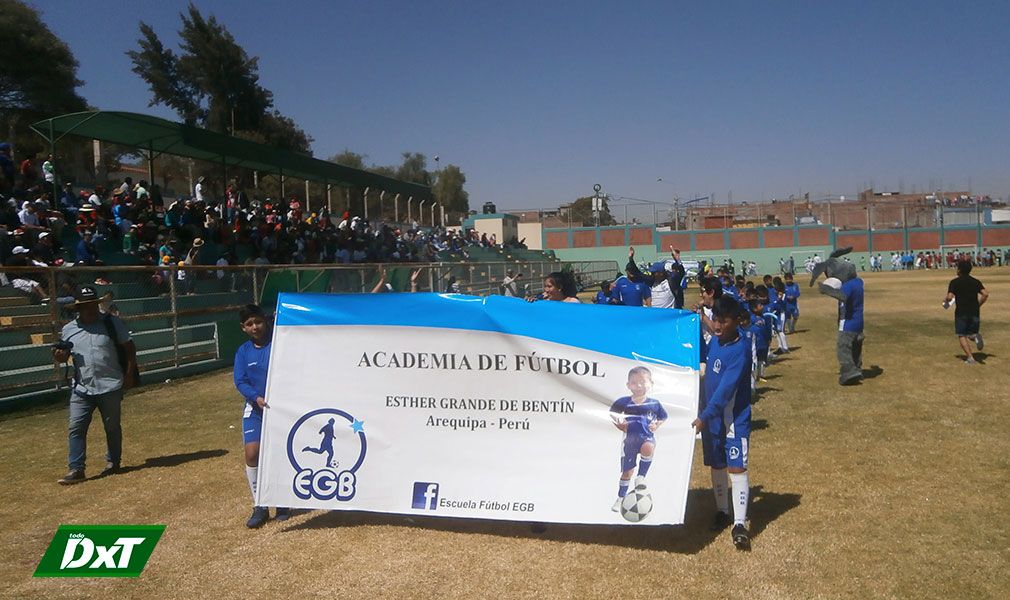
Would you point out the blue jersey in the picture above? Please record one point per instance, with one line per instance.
(792, 295)
(730, 291)
(850, 312)
(250, 371)
(615, 288)
(635, 293)
(726, 402)
(602, 298)
(761, 328)
(639, 416)
(776, 304)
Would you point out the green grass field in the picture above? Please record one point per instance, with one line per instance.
(894, 488)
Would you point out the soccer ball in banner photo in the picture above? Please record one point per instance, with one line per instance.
(326, 447)
(636, 505)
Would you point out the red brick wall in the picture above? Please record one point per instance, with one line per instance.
(708, 241)
(856, 240)
(556, 239)
(641, 236)
(888, 241)
(814, 237)
(960, 236)
(611, 237)
(744, 239)
(996, 237)
(584, 239)
(924, 240)
(778, 238)
(677, 240)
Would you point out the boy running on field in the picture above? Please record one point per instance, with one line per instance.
(724, 418)
(968, 295)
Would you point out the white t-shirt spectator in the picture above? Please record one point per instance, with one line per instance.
(198, 192)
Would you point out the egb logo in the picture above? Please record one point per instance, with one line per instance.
(99, 550)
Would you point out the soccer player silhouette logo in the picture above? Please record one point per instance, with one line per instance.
(326, 447)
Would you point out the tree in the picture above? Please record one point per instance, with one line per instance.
(449, 193)
(213, 82)
(414, 169)
(38, 76)
(581, 211)
(39, 72)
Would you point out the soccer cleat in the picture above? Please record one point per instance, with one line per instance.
(741, 537)
(260, 514)
(970, 361)
(720, 522)
(978, 341)
(640, 482)
(617, 505)
(111, 468)
(282, 514)
(75, 476)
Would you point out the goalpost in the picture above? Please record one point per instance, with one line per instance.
(969, 249)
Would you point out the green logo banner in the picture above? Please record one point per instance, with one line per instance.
(99, 550)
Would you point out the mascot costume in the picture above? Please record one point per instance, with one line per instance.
(843, 285)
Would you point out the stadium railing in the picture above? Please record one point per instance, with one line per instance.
(183, 319)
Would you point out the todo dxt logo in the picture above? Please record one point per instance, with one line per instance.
(326, 447)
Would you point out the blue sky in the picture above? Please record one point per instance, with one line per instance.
(537, 101)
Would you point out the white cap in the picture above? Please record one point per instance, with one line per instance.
(43, 234)
(19, 250)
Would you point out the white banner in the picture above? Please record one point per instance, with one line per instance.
(493, 408)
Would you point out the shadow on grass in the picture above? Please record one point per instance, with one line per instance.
(980, 357)
(174, 460)
(765, 507)
(690, 538)
(758, 424)
(873, 371)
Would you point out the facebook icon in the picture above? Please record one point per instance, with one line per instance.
(425, 495)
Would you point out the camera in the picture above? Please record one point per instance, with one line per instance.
(63, 345)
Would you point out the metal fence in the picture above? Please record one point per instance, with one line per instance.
(182, 318)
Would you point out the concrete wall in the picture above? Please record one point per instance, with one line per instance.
(762, 245)
(534, 234)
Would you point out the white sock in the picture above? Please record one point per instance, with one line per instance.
(741, 495)
(720, 487)
(252, 474)
(782, 342)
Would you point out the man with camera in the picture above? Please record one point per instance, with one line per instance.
(104, 361)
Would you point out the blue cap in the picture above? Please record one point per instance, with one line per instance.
(657, 267)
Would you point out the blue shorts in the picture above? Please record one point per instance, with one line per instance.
(631, 448)
(792, 312)
(720, 451)
(966, 325)
(252, 424)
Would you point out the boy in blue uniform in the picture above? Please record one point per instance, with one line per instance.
(724, 418)
(792, 303)
(252, 361)
(638, 416)
(635, 293)
(761, 327)
(603, 296)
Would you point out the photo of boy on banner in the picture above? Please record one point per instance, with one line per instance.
(638, 416)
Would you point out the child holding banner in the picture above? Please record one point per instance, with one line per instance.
(724, 419)
(250, 373)
(638, 416)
